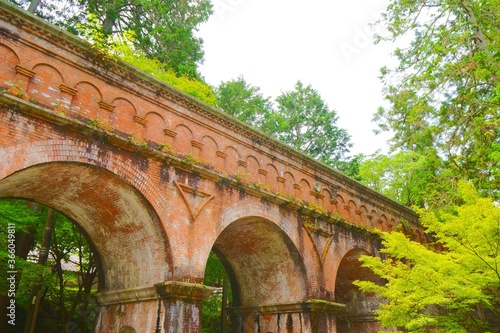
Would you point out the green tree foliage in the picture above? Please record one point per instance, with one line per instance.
(65, 303)
(164, 29)
(215, 274)
(445, 93)
(245, 102)
(408, 177)
(304, 121)
(455, 290)
(121, 47)
(154, 67)
(301, 119)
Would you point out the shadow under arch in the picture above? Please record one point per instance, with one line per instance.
(118, 221)
(264, 267)
(359, 313)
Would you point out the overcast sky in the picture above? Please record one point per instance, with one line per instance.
(324, 43)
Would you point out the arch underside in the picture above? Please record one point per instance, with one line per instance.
(359, 305)
(119, 222)
(263, 264)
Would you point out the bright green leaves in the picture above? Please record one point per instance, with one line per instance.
(442, 291)
(121, 48)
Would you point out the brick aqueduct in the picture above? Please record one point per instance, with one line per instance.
(157, 179)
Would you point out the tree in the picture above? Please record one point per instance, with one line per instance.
(445, 93)
(154, 67)
(65, 294)
(304, 121)
(14, 216)
(408, 177)
(454, 290)
(215, 314)
(163, 29)
(244, 102)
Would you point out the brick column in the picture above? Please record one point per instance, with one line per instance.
(313, 316)
(182, 303)
(281, 184)
(105, 111)
(136, 308)
(140, 308)
(196, 147)
(139, 124)
(20, 84)
(64, 102)
(221, 161)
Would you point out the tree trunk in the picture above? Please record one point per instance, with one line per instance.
(30, 324)
(33, 6)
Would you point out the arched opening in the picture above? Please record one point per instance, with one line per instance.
(119, 223)
(265, 271)
(359, 312)
(216, 309)
(55, 271)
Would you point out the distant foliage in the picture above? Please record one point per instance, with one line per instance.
(301, 119)
(245, 102)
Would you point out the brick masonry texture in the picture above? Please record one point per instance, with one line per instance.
(157, 179)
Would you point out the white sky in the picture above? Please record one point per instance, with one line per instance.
(324, 43)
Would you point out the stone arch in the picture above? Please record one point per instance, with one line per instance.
(305, 190)
(253, 167)
(363, 215)
(182, 140)
(127, 329)
(382, 222)
(208, 152)
(231, 160)
(86, 101)
(262, 262)
(357, 303)
(352, 208)
(327, 198)
(122, 119)
(129, 224)
(43, 88)
(373, 217)
(272, 174)
(340, 207)
(120, 223)
(153, 130)
(391, 224)
(288, 188)
(8, 62)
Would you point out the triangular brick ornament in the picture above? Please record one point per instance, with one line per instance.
(321, 240)
(195, 200)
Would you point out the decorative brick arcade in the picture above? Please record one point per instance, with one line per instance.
(157, 179)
